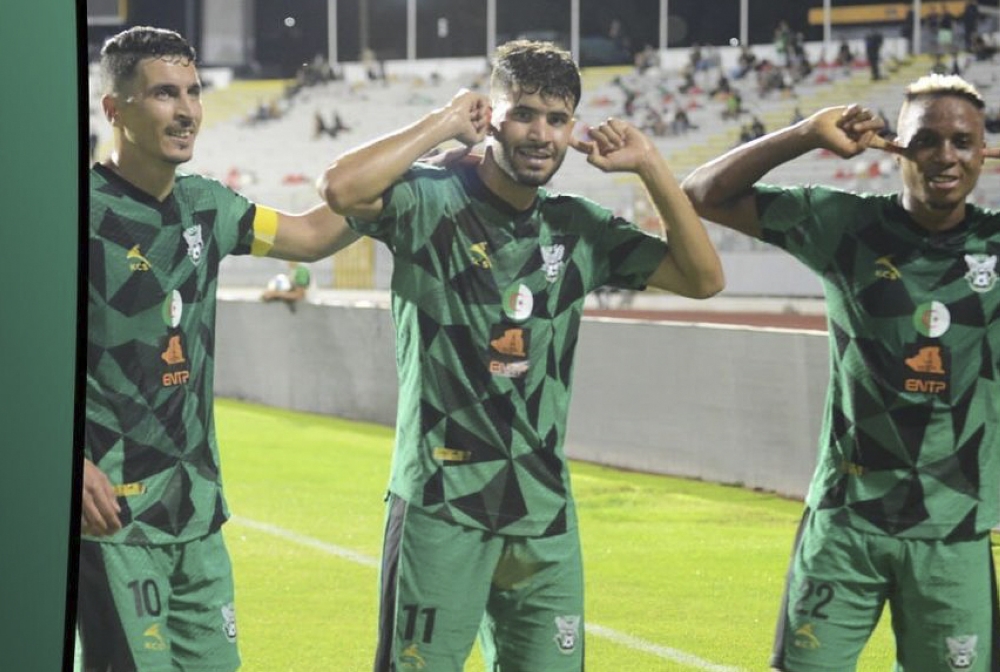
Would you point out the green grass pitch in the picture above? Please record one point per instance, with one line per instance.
(681, 575)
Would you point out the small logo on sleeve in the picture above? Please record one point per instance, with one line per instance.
(961, 652)
(229, 621)
(567, 633)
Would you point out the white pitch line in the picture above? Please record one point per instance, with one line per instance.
(339, 551)
(655, 649)
(622, 638)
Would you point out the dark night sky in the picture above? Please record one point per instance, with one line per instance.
(714, 21)
(701, 21)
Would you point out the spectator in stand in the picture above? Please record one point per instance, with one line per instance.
(681, 123)
(873, 51)
(746, 62)
(993, 121)
(783, 41)
(799, 67)
(939, 67)
(289, 287)
(688, 85)
(945, 31)
(734, 106)
(970, 23)
(982, 49)
(647, 59)
(845, 57)
(770, 78)
(620, 38)
(933, 22)
(906, 30)
(321, 128)
(722, 88)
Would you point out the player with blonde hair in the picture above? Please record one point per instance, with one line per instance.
(907, 485)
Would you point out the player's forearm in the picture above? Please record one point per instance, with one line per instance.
(691, 249)
(733, 174)
(312, 235)
(361, 175)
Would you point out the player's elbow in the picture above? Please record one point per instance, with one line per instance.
(334, 188)
(698, 191)
(707, 283)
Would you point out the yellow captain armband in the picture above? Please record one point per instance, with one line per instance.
(265, 228)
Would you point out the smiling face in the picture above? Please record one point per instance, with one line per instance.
(944, 140)
(157, 114)
(530, 135)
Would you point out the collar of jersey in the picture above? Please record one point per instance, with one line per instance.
(524, 221)
(133, 191)
(953, 238)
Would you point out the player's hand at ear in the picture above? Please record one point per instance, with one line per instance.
(845, 131)
(470, 115)
(885, 144)
(614, 146)
(99, 508)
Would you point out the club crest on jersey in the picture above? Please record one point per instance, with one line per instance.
(982, 275)
(552, 260)
(229, 621)
(568, 632)
(192, 236)
(961, 652)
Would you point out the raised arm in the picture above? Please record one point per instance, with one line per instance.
(722, 189)
(691, 266)
(354, 182)
(312, 235)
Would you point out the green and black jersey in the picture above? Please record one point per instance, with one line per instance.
(153, 271)
(487, 303)
(910, 444)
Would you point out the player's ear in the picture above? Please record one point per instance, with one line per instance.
(109, 105)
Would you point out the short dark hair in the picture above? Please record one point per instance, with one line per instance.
(121, 53)
(528, 66)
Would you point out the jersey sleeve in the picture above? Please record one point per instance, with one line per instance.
(399, 203)
(624, 255)
(243, 227)
(807, 222)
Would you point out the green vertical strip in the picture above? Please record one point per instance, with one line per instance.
(40, 186)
